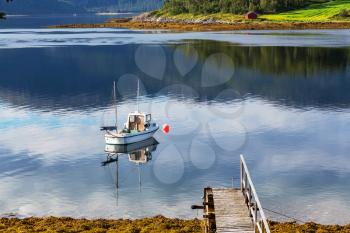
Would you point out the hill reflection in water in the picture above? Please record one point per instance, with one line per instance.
(80, 77)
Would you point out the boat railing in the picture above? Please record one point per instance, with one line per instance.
(252, 200)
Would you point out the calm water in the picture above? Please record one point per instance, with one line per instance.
(43, 21)
(280, 98)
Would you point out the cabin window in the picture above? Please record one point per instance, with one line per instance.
(148, 117)
(137, 122)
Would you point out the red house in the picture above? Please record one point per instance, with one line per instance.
(251, 15)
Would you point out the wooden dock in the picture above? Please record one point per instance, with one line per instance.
(231, 212)
(234, 209)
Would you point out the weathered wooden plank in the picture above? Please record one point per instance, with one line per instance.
(231, 212)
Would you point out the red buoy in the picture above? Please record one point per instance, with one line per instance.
(166, 128)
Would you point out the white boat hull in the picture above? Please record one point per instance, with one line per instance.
(120, 139)
(128, 148)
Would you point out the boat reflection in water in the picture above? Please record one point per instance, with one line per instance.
(138, 153)
(140, 149)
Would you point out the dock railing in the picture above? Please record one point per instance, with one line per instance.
(247, 187)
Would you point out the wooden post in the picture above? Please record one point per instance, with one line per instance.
(250, 194)
(255, 216)
(209, 212)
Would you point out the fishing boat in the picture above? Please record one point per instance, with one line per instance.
(138, 127)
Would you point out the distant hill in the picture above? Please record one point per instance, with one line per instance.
(77, 6)
(38, 6)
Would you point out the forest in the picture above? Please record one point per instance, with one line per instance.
(231, 6)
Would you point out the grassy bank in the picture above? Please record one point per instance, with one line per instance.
(146, 225)
(181, 26)
(316, 12)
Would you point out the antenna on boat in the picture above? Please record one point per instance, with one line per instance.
(115, 106)
(138, 93)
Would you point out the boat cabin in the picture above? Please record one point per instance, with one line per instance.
(138, 121)
(143, 155)
(140, 156)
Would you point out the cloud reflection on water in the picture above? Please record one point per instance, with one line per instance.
(34, 38)
(69, 180)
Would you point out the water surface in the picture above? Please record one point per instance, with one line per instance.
(280, 98)
(43, 21)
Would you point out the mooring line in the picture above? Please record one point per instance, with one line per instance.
(278, 213)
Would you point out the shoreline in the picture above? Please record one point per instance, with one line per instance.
(151, 224)
(147, 22)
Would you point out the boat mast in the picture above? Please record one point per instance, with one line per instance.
(115, 106)
(138, 93)
(138, 166)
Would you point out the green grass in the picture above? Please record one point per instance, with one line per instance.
(313, 13)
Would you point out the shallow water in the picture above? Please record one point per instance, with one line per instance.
(280, 98)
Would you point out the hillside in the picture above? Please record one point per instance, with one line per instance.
(320, 14)
(36, 6)
(76, 6)
(315, 11)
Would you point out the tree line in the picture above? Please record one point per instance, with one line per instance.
(230, 6)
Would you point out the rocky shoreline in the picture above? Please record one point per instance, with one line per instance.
(153, 22)
(149, 17)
